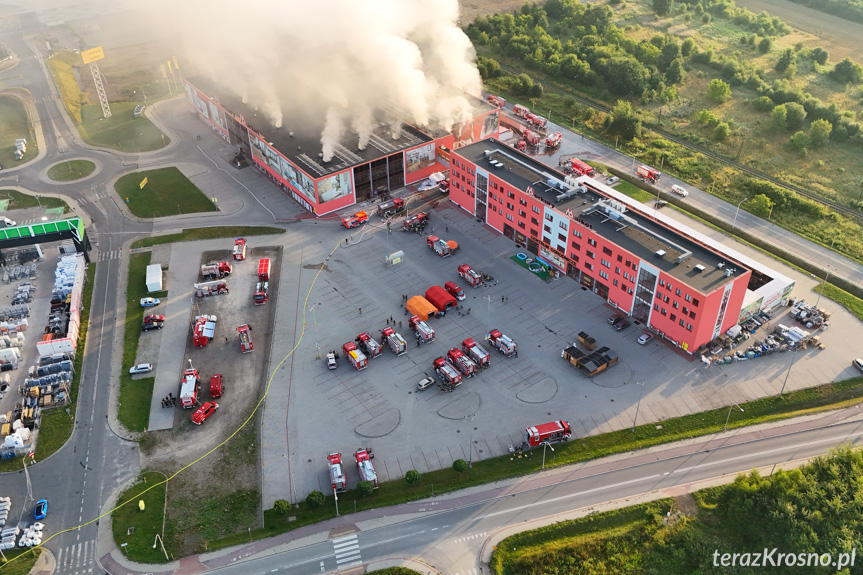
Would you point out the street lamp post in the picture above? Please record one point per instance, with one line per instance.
(738, 211)
(544, 445)
(823, 284)
(315, 322)
(638, 406)
(470, 440)
(336, 495)
(730, 407)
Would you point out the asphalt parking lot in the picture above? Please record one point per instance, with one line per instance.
(312, 411)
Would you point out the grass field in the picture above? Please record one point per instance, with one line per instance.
(14, 124)
(135, 394)
(71, 170)
(19, 561)
(19, 201)
(217, 232)
(167, 193)
(122, 131)
(145, 524)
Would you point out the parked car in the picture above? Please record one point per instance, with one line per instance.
(41, 510)
(659, 204)
(204, 412)
(679, 190)
(149, 326)
(858, 363)
(425, 383)
(149, 318)
(149, 301)
(621, 325)
(615, 319)
(612, 180)
(645, 338)
(141, 368)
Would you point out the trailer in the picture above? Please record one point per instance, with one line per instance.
(440, 298)
(338, 481)
(502, 343)
(461, 362)
(476, 352)
(424, 332)
(552, 432)
(245, 334)
(441, 247)
(449, 376)
(190, 385)
(395, 341)
(264, 270)
(364, 458)
(391, 207)
(239, 249)
(216, 271)
(215, 287)
(203, 330)
(357, 358)
(369, 345)
(471, 276)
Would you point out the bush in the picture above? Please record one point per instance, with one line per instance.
(412, 476)
(765, 45)
(847, 72)
(688, 47)
(315, 499)
(795, 115)
(800, 141)
(459, 465)
(281, 507)
(707, 118)
(820, 132)
(819, 55)
(365, 488)
(720, 132)
(763, 104)
(706, 19)
(718, 91)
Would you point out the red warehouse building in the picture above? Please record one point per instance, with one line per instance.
(682, 285)
(396, 153)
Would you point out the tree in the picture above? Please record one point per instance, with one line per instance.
(365, 488)
(847, 72)
(796, 113)
(668, 95)
(819, 132)
(675, 74)
(787, 58)
(720, 132)
(765, 45)
(536, 91)
(315, 499)
(718, 91)
(412, 476)
(763, 104)
(760, 205)
(459, 465)
(819, 55)
(281, 507)
(779, 117)
(662, 7)
(626, 76)
(707, 118)
(670, 52)
(624, 121)
(573, 68)
(800, 141)
(524, 84)
(688, 47)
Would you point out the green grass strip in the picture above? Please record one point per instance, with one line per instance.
(167, 192)
(216, 232)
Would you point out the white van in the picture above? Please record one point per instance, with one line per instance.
(6, 222)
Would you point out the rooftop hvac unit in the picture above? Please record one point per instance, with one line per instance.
(720, 265)
(487, 153)
(699, 268)
(498, 165)
(660, 253)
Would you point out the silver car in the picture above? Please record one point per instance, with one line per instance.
(140, 368)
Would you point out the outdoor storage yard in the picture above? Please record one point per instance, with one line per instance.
(312, 411)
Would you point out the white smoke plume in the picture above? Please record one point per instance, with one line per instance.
(335, 61)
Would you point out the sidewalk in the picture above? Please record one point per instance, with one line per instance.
(115, 562)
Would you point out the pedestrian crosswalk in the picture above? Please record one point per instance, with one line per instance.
(110, 255)
(347, 550)
(76, 559)
(93, 198)
(468, 538)
(471, 571)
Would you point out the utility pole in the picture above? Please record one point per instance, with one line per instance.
(638, 406)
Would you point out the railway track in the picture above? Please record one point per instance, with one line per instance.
(839, 208)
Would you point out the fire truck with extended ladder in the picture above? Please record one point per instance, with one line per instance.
(369, 345)
(424, 332)
(502, 343)
(554, 140)
(261, 295)
(215, 287)
(203, 330)
(245, 334)
(395, 341)
(337, 472)
(552, 432)
(471, 276)
(449, 376)
(190, 385)
(364, 458)
(239, 249)
(463, 363)
(356, 358)
(476, 352)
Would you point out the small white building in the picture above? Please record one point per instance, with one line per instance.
(154, 278)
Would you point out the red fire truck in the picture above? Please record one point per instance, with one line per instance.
(216, 271)
(355, 220)
(337, 472)
(648, 174)
(424, 332)
(190, 385)
(469, 275)
(461, 362)
(369, 345)
(476, 352)
(356, 358)
(416, 222)
(577, 167)
(203, 330)
(449, 376)
(552, 432)
(441, 247)
(520, 110)
(496, 101)
(454, 290)
(395, 341)
(240, 249)
(537, 122)
(554, 140)
(502, 343)
(245, 335)
(364, 458)
(262, 288)
(391, 207)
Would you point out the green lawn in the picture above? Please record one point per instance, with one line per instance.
(14, 124)
(71, 170)
(19, 201)
(214, 233)
(634, 192)
(135, 394)
(544, 275)
(19, 561)
(167, 193)
(122, 131)
(146, 524)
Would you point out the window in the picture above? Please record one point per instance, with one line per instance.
(588, 265)
(689, 327)
(629, 291)
(615, 283)
(591, 241)
(619, 258)
(606, 263)
(673, 317)
(561, 238)
(562, 225)
(509, 217)
(533, 232)
(576, 233)
(676, 305)
(522, 213)
(509, 206)
(661, 282)
(511, 195)
(521, 225)
(685, 311)
(692, 314)
(695, 302)
(590, 254)
(534, 221)
(535, 209)
(663, 311)
(682, 323)
(522, 201)
(606, 251)
(628, 263)
(656, 307)
(495, 185)
(549, 217)
(687, 297)
(546, 239)
(617, 270)
(668, 286)
(677, 292)
(547, 229)
(577, 246)
(665, 298)
(603, 275)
